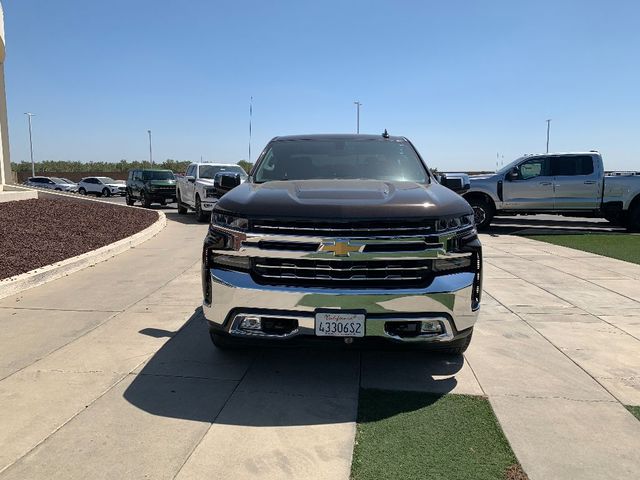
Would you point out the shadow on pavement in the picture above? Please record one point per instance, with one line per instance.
(189, 378)
(186, 219)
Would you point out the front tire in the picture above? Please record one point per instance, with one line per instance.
(130, 201)
(633, 219)
(106, 192)
(182, 209)
(483, 212)
(145, 200)
(201, 215)
(82, 191)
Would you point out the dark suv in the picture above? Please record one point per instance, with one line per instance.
(151, 186)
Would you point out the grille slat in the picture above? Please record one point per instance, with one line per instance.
(402, 273)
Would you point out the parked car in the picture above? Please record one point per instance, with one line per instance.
(197, 189)
(52, 183)
(101, 186)
(150, 186)
(346, 236)
(572, 184)
(70, 182)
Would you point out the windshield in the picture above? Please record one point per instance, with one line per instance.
(209, 171)
(371, 159)
(106, 179)
(508, 167)
(158, 175)
(57, 180)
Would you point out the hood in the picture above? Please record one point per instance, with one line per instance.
(481, 177)
(355, 199)
(206, 181)
(162, 183)
(115, 184)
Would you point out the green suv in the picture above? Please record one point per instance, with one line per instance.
(151, 186)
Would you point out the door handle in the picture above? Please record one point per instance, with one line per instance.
(589, 182)
(545, 183)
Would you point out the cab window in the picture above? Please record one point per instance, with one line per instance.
(572, 165)
(531, 168)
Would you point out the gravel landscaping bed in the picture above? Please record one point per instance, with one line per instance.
(35, 233)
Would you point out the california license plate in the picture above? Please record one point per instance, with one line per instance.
(339, 324)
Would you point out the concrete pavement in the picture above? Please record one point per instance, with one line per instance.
(109, 373)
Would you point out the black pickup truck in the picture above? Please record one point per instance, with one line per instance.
(342, 236)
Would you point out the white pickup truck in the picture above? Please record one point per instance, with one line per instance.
(572, 184)
(203, 184)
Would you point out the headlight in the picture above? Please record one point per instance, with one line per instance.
(209, 192)
(452, 223)
(229, 221)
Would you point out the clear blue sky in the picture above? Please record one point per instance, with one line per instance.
(462, 79)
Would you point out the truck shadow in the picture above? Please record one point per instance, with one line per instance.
(190, 379)
(186, 219)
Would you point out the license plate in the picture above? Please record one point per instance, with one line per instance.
(339, 324)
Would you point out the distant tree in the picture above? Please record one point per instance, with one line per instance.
(246, 165)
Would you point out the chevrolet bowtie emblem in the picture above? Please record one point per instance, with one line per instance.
(340, 248)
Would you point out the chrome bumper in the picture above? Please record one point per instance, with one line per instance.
(448, 299)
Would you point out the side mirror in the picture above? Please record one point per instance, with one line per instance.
(223, 182)
(512, 175)
(458, 182)
(190, 178)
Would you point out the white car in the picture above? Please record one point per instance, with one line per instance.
(52, 183)
(101, 186)
(197, 190)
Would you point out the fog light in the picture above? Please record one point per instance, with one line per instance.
(430, 326)
(250, 323)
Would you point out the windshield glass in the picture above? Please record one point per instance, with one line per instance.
(371, 159)
(158, 175)
(508, 167)
(209, 171)
(57, 180)
(106, 179)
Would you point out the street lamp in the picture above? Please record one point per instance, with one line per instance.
(150, 150)
(548, 128)
(358, 105)
(33, 165)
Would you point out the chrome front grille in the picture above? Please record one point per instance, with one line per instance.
(335, 273)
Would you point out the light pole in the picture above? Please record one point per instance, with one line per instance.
(358, 105)
(150, 150)
(548, 128)
(33, 165)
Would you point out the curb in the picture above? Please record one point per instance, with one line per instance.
(40, 276)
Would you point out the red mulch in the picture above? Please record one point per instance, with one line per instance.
(35, 233)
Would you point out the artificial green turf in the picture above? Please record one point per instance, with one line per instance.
(621, 246)
(635, 410)
(407, 435)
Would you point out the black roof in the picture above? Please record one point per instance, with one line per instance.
(335, 136)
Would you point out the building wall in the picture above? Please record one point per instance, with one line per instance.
(5, 163)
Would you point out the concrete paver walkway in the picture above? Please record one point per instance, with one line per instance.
(109, 373)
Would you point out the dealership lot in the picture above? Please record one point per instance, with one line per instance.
(121, 380)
